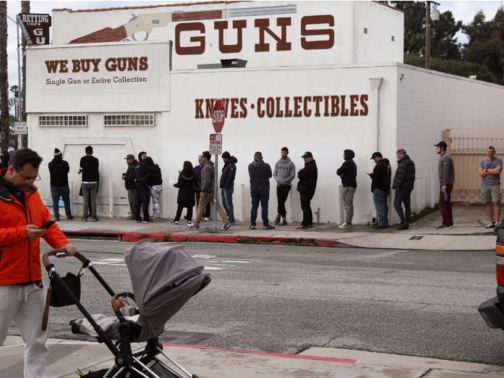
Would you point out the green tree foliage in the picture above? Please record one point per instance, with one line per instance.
(453, 67)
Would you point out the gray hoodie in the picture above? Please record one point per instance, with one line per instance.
(285, 171)
(446, 171)
(208, 177)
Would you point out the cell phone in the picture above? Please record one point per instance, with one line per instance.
(48, 224)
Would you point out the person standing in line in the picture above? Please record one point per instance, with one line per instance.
(348, 174)
(306, 187)
(22, 293)
(259, 173)
(198, 168)
(490, 169)
(58, 170)
(90, 176)
(129, 182)
(143, 172)
(227, 184)
(404, 182)
(187, 185)
(207, 192)
(156, 189)
(380, 187)
(446, 173)
(285, 172)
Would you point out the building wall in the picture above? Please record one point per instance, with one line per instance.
(429, 102)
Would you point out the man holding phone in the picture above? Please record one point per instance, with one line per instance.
(22, 216)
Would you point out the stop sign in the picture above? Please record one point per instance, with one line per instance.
(218, 115)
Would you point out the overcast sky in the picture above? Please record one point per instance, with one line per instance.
(462, 10)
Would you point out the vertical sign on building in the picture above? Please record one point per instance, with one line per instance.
(37, 26)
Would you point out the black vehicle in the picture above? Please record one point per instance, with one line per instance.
(492, 310)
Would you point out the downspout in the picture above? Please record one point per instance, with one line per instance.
(375, 86)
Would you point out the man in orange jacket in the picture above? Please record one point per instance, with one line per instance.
(22, 295)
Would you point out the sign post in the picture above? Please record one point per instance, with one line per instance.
(218, 117)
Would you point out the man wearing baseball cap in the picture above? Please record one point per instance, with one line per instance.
(490, 169)
(306, 188)
(129, 182)
(446, 175)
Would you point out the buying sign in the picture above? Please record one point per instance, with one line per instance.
(37, 26)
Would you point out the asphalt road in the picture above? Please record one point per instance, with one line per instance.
(285, 299)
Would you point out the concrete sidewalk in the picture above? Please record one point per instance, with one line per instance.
(469, 233)
(66, 356)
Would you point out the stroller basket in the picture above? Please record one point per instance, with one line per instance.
(163, 279)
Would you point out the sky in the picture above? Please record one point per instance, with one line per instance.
(461, 10)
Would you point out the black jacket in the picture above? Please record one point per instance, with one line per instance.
(89, 166)
(381, 175)
(58, 169)
(129, 180)
(147, 174)
(5, 160)
(260, 173)
(228, 173)
(308, 178)
(186, 186)
(405, 175)
(349, 170)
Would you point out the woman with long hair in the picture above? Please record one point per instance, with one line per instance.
(187, 185)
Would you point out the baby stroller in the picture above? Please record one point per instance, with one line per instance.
(163, 278)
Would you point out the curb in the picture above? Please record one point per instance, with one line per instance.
(137, 236)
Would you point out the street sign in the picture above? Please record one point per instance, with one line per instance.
(36, 26)
(215, 144)
(218, 116)
(20, 128)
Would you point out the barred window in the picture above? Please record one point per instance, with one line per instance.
(64, 120)
(129, 120)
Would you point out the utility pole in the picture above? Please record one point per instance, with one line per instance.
(428, 33)
(25, 8)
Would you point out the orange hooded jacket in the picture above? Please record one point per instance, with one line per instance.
(19, 257)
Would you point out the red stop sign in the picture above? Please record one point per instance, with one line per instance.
(218, 115)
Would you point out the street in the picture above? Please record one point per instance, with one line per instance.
(285, 299)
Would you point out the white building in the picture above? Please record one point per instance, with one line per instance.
(320, 77)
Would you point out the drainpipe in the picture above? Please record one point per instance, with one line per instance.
(375, 86)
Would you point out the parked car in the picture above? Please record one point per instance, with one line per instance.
(492, 310)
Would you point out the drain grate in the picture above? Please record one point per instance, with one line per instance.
(416, 238)
(56, 353)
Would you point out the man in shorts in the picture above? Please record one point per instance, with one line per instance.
(490, 169)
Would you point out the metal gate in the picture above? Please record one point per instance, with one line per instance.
(467, 151)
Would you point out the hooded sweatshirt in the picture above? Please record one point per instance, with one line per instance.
(349, 170)
(381, 175)
(144, 171)
(260, 173)
(59, 168)
(285, 171)
(155, 176)
(208, 177)
(228, 173)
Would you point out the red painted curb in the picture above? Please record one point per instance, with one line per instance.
(326, 242)
(296, 356)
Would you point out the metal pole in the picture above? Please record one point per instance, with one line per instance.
(19, 75)
(216, 193)
(427, 35)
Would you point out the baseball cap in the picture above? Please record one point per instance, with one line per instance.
(441, 144)
(129, 156)
(376, 154)
(307, 154)
(226, 154)
(491, 148)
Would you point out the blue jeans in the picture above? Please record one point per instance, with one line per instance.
(256, 198)
(227, 202)
(380, 200)
(64, 192)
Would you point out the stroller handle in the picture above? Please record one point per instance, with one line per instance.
(113, 301)
(54, 252)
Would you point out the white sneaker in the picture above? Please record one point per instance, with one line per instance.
(206, 219)
(491, 225)
(346, 225)
(190, 225)
(174, 222)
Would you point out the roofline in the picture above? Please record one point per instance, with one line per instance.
(390, 6)
(147, 6)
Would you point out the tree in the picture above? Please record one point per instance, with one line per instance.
(4, 78)
(443, 41)
(14, 90)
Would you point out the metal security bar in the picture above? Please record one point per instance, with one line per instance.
(63, 120)
(129, 120)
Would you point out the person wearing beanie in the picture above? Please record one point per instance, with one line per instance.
(129, 183)
(380, 187)
(58, 170)
(348, 174)
(90, 176)
(285, 172)
(307, 184)
(227, 184)
(259, 173)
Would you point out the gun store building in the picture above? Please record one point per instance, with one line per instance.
(311, 76)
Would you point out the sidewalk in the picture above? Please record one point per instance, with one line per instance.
(66, 356)
(469, 233)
